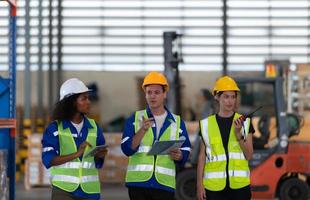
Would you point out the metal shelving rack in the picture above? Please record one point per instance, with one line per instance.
(10, 122)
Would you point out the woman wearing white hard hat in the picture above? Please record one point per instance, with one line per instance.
(67, 142)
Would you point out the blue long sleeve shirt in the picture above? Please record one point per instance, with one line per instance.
(50, 147)
(128, 134)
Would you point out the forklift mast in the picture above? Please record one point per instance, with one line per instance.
(172, 58)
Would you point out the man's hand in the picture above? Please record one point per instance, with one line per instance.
(82, 148)
(101, 153)
(147, 123)
(176, 154)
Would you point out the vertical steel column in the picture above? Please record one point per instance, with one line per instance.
(168, 38)
(224, 46)
(12, 103)
(27, 78)
(59, 44)
(270, 57)
(27, 124)
(40, 108)
(50, 62)
(308, 54)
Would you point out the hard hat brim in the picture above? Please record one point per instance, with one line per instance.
(71, 94)
(166, 86)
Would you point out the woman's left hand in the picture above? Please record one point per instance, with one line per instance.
(101, 153)
(238, 125)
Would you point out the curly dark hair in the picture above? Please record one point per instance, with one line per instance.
(65, 109)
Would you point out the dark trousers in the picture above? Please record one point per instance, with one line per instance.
(59, 194)
(140, 193)
(230, 194)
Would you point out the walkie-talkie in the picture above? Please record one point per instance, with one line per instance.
(243, 118)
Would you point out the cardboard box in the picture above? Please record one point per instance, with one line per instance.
(36, 174)
(116, 161)
(115, 151)
(35, 139)
(34, 152)
(303, 69)
(113, 139)
(112, 175)
(192, 127)
(46, 176)
(32, 173)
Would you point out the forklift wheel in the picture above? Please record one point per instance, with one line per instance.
(186, 185)
(294, 188)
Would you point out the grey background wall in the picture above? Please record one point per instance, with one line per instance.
(118, 91)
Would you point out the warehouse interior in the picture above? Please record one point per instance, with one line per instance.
(111, 45)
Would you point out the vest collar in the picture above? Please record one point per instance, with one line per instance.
(170, 117)
(68, 124)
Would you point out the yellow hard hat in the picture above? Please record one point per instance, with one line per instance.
(155, 78)
(225, 83)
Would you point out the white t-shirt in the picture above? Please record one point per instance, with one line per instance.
(78, 127)
(159, 120)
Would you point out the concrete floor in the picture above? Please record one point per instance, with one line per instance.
(108, 192)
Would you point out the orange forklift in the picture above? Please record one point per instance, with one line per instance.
(280, 167)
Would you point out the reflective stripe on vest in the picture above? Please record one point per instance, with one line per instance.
(236, 156)
(143, 149)
(205, 136)
(145, 168)
(216, 158)
(77, 165)
(174, 131)
(69, 176)
(158, 169)
(215, 167)
(165, 171)
(239, 173)
(141, 166)
(211, 175)
(74, 179)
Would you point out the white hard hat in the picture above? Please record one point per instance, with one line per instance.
(72, 86)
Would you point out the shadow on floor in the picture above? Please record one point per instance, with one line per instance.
(108, 192)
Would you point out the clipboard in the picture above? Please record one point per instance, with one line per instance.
(95, 149)
(163, 147)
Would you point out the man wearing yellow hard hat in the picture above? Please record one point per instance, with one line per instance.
(152, 177)
(223, 172)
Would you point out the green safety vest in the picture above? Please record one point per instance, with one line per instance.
(215, 166)
(142, 166)
(70, 175)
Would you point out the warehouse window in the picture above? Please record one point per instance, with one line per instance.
(4, 32)
(34, 34)
(127, 34)
(267, 29)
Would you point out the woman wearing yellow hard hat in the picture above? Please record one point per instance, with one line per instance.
(223, 171)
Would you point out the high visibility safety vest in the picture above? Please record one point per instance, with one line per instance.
(215, 167)
(142, 166)
(70, 175)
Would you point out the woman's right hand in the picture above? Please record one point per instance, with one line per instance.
(201, 193)
(82, 148)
